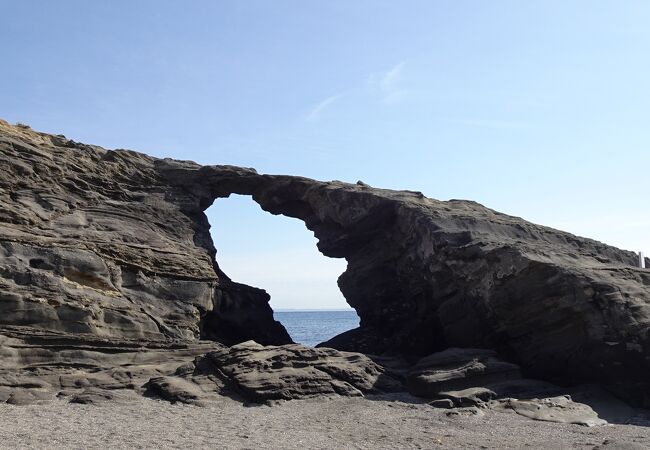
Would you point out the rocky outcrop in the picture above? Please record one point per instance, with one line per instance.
(425, 275)
(458, 369)
(37, 365)
(268, 373)
(100, 245)
(97, 242)
(463, 381)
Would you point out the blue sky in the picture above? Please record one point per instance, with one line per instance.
(538, 109)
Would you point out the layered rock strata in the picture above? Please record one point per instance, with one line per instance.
(425, 275)
(115, 245)
(98, 242)
(37, 365)
(267, 373)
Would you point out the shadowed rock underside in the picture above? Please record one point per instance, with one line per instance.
(114, 246)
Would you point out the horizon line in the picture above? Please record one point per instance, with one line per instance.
(312, 309)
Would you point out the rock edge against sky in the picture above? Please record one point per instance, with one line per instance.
(109, 280)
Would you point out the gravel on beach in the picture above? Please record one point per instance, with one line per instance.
(390, 422)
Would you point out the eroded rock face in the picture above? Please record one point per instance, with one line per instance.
(266, 373)
(98, 242)
(556, 409)
(425, 275)
(37, 365)
(458, 369)
(115, 245)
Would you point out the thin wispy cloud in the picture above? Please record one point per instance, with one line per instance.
(387, 85)
(391, 78)
(316, 111)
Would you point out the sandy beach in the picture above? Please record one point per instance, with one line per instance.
(380, 422)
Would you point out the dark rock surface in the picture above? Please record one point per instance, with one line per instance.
(458, 369)
(555, 409)
(37, 365)
(266, 373)
(425, 275)
(260, 373)
(179, 390)
(106, 253)
(97, 242)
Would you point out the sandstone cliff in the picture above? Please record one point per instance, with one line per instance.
(97, 242)
(114, 246)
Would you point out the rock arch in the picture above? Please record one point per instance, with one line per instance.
(114, 247)
(425, 275)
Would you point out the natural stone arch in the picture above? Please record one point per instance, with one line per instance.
(114, 245)
(424, 275)
(278, 254)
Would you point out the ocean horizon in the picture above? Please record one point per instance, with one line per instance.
(313, 326)
(310, 309)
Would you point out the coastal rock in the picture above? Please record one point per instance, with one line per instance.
(458, 369)
(114, 246)
(467, 397)
(96, 396)
(425, 275)
(97, 242)
(466, 379)
(22, 397)
(38, 365)
(556, 409)
(267, 373)
(175, 390)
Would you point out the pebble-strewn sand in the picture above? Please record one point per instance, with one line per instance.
(340, 423)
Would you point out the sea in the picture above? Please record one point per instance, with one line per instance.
(311, 327)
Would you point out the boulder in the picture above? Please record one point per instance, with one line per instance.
(475, 396)
(175, 390)
(556, 409)
(266, 373)
(457, 369)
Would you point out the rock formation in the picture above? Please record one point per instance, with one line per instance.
(105, 253)
(425, 275)
(98, 242)
(266, 373)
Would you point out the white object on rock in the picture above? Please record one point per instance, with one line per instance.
(641, 260)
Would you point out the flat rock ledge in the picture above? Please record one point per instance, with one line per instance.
(464, 381)
(260, 373)
(41, 367)
(38, 366)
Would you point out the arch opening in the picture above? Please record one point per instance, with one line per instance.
(279, 255)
